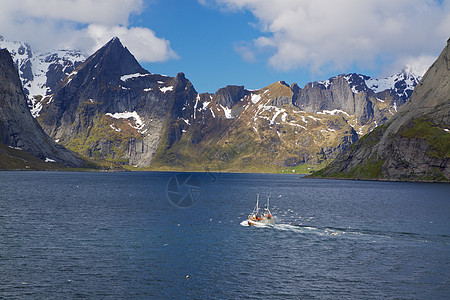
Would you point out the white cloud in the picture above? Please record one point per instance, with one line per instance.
(82, 24)
(244, 49)
(417, 65)
(331, 34)
(142, 42)
(109, 12)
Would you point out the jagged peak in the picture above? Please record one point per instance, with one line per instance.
(115, 41)
(278, 84)
(113, 61)
(113, 44)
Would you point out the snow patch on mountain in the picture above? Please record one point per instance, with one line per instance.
(333, 112)
(325, 83)
(256, 98)
(402, 83)
(43, 64)
(227, 112)
(138, 123)
(131, 76)
(166, 89)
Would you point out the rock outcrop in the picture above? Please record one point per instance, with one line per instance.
(18, 129)
(415, 144)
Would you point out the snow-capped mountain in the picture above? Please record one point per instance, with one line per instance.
(41, 72)
(401, 84)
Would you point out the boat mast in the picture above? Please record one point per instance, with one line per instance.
(267, 205)
(257, 204)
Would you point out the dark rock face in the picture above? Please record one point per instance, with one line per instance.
(415, 144)
(18, 128)
(230, 95)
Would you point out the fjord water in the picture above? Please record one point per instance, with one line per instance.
(117, 235)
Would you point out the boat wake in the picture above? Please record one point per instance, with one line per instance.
(326, 231)
(349, 232)
(297, 228)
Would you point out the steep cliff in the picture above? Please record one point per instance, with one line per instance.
(415, 144)
(18, 129)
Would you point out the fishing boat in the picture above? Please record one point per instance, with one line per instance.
(257, 219)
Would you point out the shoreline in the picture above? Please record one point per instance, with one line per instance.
(305, 176)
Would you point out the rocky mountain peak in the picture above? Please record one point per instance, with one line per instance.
(113, 60)
(182, 82)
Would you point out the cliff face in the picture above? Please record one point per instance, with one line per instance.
(415, 144)
(18, 129)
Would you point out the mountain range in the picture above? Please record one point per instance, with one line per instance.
(107, 107)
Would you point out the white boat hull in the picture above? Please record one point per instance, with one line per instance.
(264, 222)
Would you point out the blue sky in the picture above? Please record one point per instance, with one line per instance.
(243, 42)
(204, 38)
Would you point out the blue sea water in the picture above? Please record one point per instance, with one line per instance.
(127, 235)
